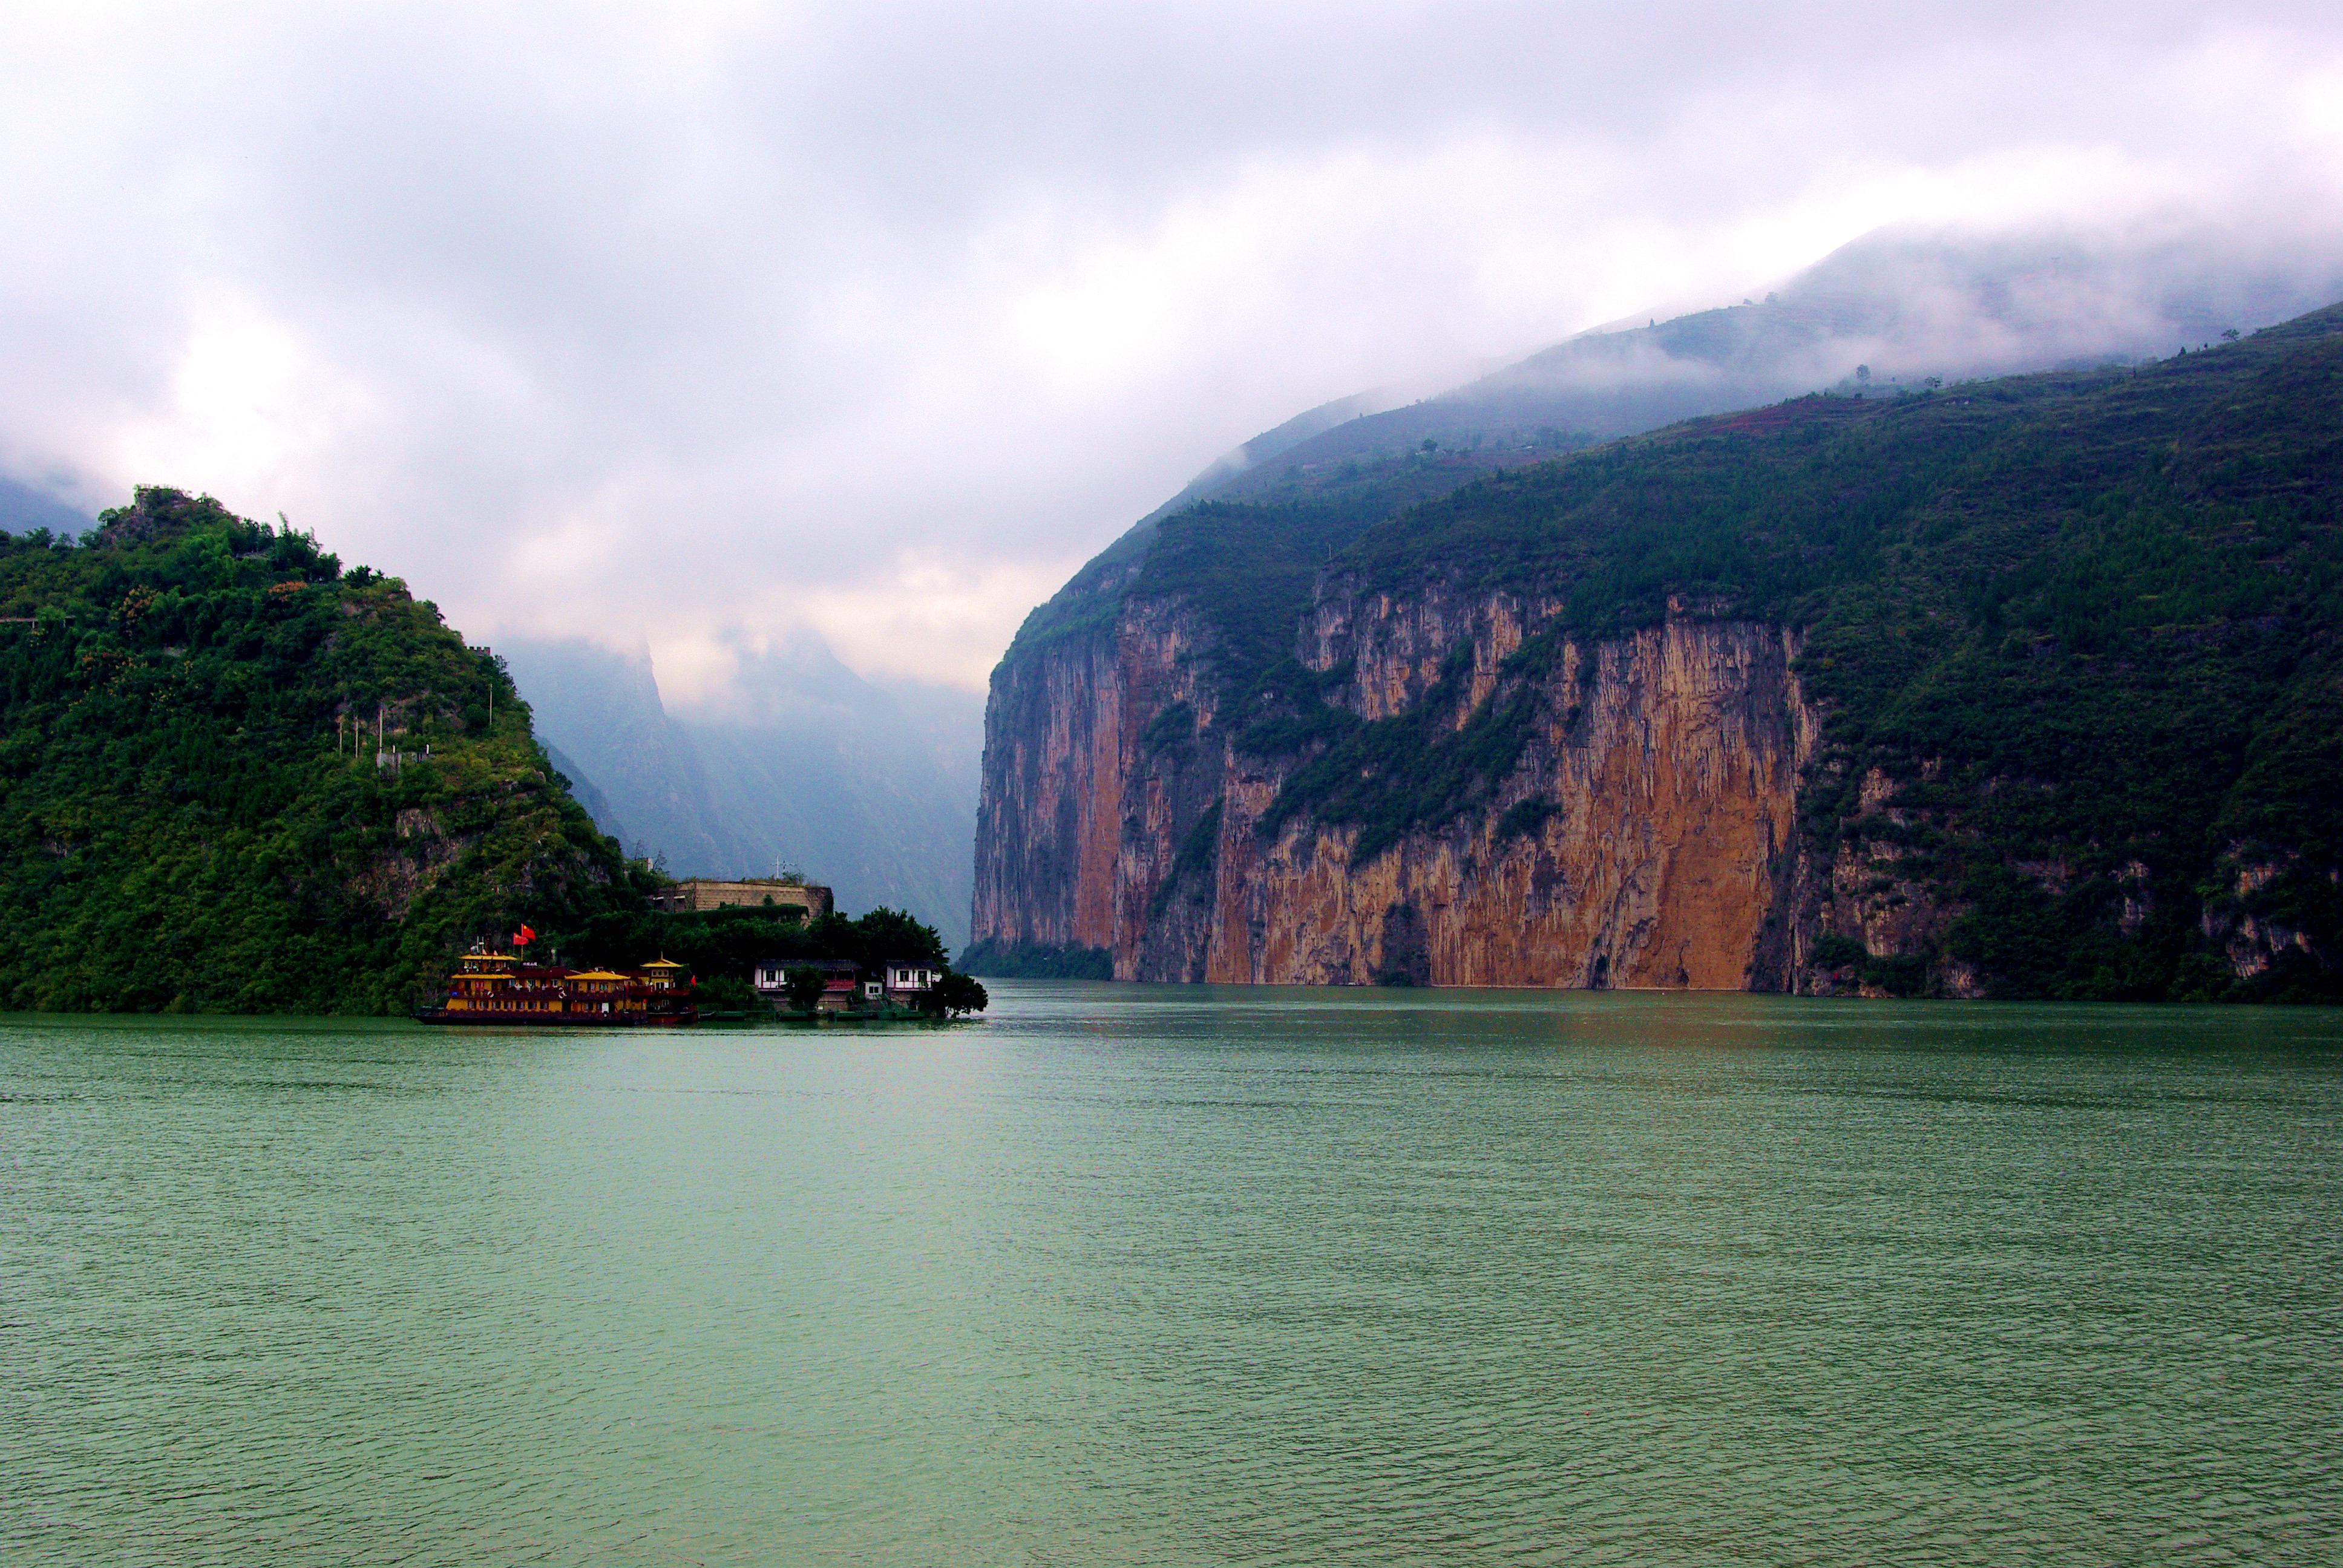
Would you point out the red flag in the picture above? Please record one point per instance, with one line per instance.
(528, 934)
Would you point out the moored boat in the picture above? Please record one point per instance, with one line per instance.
(504, 987)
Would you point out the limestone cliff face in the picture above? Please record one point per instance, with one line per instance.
(1644, 836)
(1053, 794)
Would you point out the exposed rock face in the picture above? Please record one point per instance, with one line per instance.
(419, 855)
(2253, 939)
(1871, 889)
(1646, 836)
(2030, 693)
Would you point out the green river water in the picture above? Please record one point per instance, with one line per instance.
(1182, 1275)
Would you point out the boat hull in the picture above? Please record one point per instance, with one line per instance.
(485, 1019)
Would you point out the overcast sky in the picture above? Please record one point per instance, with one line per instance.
(689, 325)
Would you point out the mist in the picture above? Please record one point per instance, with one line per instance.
(700, 330)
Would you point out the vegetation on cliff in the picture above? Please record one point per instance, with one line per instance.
(1038, 960)
(2083, 627)
(198, 815)
(2074, 638)
(193, 814)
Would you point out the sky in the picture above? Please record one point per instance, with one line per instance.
(698, 328)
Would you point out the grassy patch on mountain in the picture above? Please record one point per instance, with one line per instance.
(1248, 565)
(1391, 777)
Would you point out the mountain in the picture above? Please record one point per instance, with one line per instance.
(2023, 686)
(582, 790)
(23, 509)
(1894, 311)
(193, 816)
(601, 710)
(870, 790)
(1902, 303)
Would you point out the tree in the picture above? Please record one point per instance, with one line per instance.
(725, 993)
(954, 995)
(802, 985)
(1863, 373)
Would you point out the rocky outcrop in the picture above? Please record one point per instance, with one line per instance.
(1868, 910)
(1645, 835)
(2254, 931)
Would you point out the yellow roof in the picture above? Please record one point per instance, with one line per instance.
(597, 974)
(662, 964)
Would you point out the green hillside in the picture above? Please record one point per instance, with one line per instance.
(2088, 625)
(2090, 621)
(184, 826)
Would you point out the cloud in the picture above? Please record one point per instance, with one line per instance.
(694, 324)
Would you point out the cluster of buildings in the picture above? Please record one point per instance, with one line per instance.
(845, 988)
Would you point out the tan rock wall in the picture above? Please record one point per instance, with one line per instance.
(1674, 771)
(1051, 797)
(1672, 757)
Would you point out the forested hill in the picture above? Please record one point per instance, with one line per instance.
(191, 806)
(2077, 641)
(2027, 687)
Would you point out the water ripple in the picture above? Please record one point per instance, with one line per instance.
(1150, 1275)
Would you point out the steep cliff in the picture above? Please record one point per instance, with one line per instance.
(869, 791)
(2027, 688)
(1641, 838)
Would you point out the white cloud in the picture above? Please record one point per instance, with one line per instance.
(692, 325)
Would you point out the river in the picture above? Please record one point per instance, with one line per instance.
(1182, 1275)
